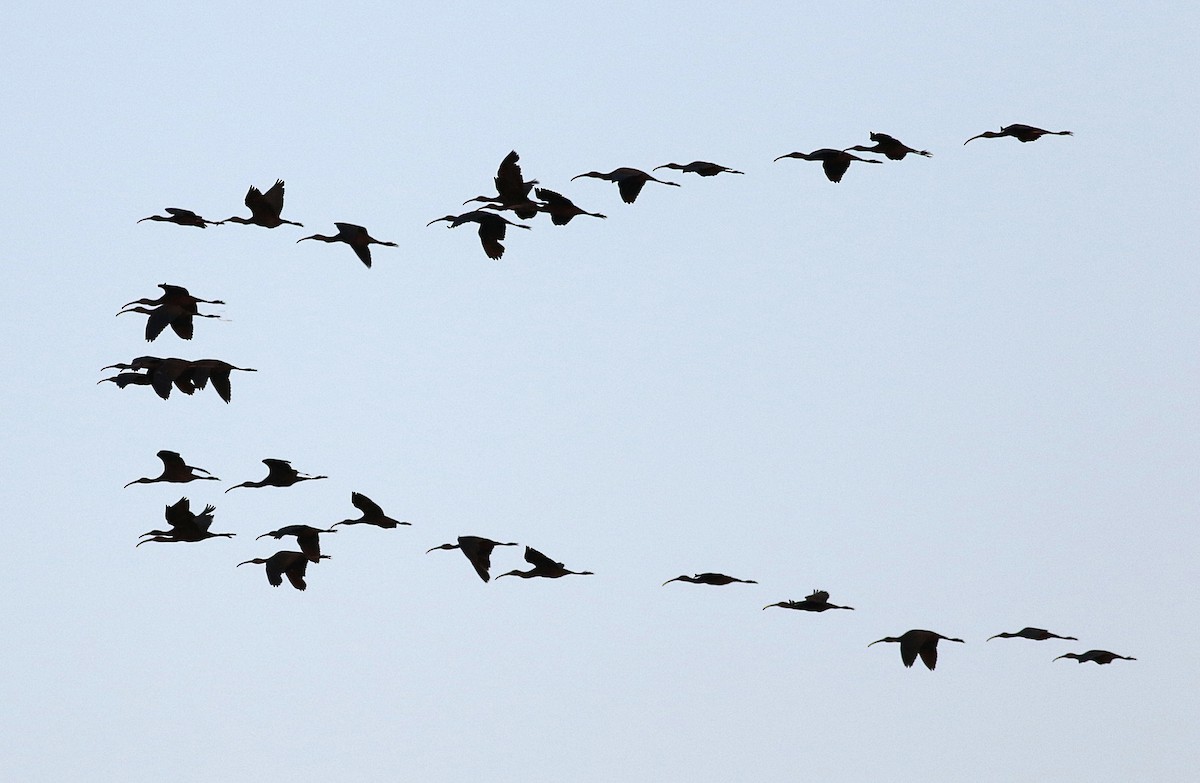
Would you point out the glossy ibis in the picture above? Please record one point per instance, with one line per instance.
(560, 208)
(308, 538)
(280, 473)
(372, 514)
(817, 601)
(1037, 634)
(264, 208)
(701, 167)
(175, 470)
(182, 217)
(709, 578)
(512, 191)
(185, 525)
(1101, 657)
(492, 228)
(356, 237)
(835, 162)
(1024, 133)
(543, 567)
(890, 146)
(629, 181)
(477, 550)
(285, 563)
(917, 642)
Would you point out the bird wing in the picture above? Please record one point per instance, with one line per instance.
(818, 597)
(158, 320)
(172, 461)
(928, 654)
(220, 382)
(279, 468)
(273, 198)
(538, 560)
(185, 214)
(182, 324)
(479, 552)
(630, 188)
(364, 504)
(295, 571)
(509, 180)
(834, 169)
(179, 513)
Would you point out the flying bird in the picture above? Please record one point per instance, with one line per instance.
(201, 371)
(890, 146)
(477, 550)
(709, 578)
(917, 642)
(543, 567)
(1037, 634)
(835, 162)
(817, 601)
(492, 228)
(372, 514)
(285, 563)
(175, 308)
(1101, 657)
(182, 217)
(175, 470)
(264, 208)
(280, 473)
(629, 181)
(701, 167)
(308, 538)
(161, 374)
(1024, 133)
(560, 208)
(356, 237)
(185, 525)
(512, 191)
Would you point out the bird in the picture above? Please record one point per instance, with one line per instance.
(835, 162)
(890, 146)
(175, 308)
(629, 181)
(1101, 657)
(264, 208)
(917, 642)
(491, 229)
(354, 236)
(185, 525)
(701, 167)
(280, 473)
(285, 563)
(709, 578)
(817, 601)
(560, 208)
(161, 374)
(307, 538)
(1037, 634)
(1023, 133)
(175, 470)
(512, 191)
(477, 550)
(201, 371)
(372, 514)
(543, 567)
(182, 217)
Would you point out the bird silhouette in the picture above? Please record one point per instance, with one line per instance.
(543, 567)
(285, 563)
(1101, 657)
(512, 191)
(175, 308)
(264, 208)
(201, 371)
(356, 237)
(835, 162)
(1024, 133)
(175, 470)
(185, 525)
(917, 642)
(560, 208)
(890, 146)
(280, 473)
(477, 550)
(182, 217)
(308, 538)
(1037, 634)
(161, 374)
(372, 514)
(817, 601)
(492, 228)
(629, 181)
(701, 167)
(709, 578)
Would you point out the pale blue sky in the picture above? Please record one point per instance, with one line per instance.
(956, 392)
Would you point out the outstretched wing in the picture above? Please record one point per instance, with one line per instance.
(364, 504)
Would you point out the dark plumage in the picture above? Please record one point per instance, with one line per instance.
(372, 514)
(477, 550)
(543, 567)
(356, 237)
(285, 563)
(701, 167)
(835, 162)
(1101, 657)
(1037, 634)
(917, 642)
(280, 473)
(264, 208)
(709, 578)
(629, 181)
(512, 191)
(890, 146)
(308, 538)
(1024, 133)
(175, 308)
(175, 470)
(492, 228)
(560, 208)
(817, 601)
(185, 525)
(182, 217)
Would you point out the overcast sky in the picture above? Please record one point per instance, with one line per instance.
(957, 392)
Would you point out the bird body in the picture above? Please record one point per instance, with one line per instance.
(356, 237)
(1023, 133)
(512, 191)
(372, 514)
(264, 208)
(817, 601)
(477, 550)
(701, 167)
(1101, 657)
(308, 538)
(918, 642)
(175, 308)
(185, 525)
(543, 567)
(834, 162)
(182, 217)
(492, 228)
(629, 181)
(890, 146)
(709, 578)
(280, 473)
(1037, 634)
(560, 208)
(285, 563)
(175, 470)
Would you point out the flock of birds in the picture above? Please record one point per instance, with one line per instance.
(177, 308)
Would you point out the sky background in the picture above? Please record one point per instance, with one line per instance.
(959, 393)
